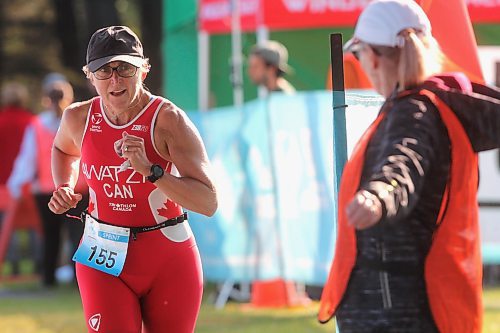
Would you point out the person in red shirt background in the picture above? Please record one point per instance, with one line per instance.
(32, 166)
(14, 118)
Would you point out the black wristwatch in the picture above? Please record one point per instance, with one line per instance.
(156, 173)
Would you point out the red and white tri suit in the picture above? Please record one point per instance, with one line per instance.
(161, 284)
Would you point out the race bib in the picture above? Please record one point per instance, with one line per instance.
(103, 247)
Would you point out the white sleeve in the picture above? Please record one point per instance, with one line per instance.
(25, 165)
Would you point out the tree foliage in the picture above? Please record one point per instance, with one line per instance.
(43, 36)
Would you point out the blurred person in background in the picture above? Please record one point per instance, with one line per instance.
(407, 256)
(32, 165)
(138, 264)
(14, 118)
(267, 65)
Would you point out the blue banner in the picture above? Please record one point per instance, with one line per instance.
(273, 165)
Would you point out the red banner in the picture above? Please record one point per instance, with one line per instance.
(484, 11)
(215, 15)
(300, 14)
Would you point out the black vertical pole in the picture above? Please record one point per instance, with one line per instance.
(339, 119)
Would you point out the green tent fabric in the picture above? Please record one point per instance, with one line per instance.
(180, 53)
(487, 34)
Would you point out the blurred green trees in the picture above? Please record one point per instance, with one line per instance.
(39, 37)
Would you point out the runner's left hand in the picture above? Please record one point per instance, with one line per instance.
(134, 150)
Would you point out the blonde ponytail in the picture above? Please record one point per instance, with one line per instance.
(419, 58)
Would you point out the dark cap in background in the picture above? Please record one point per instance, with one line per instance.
(273, 53)
(114, 43)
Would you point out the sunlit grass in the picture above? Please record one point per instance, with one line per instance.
(492, 310)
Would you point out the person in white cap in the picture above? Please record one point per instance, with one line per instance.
(407, 255)
(267, 65)
(138, 266)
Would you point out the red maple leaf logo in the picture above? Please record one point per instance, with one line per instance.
(91, 206)
(169, 210)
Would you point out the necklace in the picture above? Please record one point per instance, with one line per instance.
(132, 109)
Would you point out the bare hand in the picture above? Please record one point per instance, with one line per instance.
(63, 199)
(134, 150)
(364, 211)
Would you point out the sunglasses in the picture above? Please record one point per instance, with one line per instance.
(358, 46)
(355, 54)
(123, 70)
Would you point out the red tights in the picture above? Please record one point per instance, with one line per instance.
(159, 289)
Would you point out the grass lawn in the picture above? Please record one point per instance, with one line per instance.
(25, 308)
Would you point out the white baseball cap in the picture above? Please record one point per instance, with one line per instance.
(382, 20)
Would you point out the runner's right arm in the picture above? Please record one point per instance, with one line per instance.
(66, 158)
